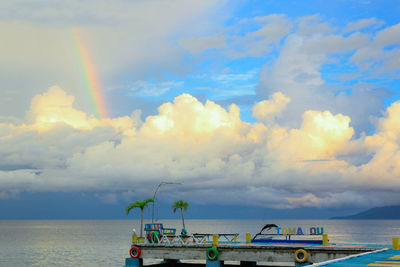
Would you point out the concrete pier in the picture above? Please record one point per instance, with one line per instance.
(248, 254)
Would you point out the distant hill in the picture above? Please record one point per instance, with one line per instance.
(380, 213)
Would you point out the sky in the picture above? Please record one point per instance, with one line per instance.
(271, 105)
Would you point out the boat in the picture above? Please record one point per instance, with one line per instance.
(273, 234)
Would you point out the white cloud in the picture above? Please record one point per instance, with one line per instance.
(379, 55)
(362, 24)
(209, 149)
(298, 73)
(312, 25)
(271, 29)
(388, 36)
(304, 150)
(238, 42)
(148, 88)
(265, 110)
(228, 78)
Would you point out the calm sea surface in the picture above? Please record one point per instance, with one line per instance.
(107, 243)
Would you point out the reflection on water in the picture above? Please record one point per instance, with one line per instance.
(107, 243)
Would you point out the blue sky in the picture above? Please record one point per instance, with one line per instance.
(265, 104)
(226, 73)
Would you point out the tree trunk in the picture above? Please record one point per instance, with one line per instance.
(141, 225)
(183, 220)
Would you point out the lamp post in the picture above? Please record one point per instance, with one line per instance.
(154, 196)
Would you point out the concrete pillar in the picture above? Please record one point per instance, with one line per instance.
(248, 264)
(171, 263)
(214, 263)
(297, 264)
(129, 262)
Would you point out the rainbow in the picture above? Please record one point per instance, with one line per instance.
(89, 75)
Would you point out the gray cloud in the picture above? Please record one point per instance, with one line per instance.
(199, 44)
(299, 153)
(124, 39)
(210, 150)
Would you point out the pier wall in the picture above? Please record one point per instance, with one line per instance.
(247, 253)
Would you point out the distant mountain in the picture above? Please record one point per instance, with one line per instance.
(380, 213)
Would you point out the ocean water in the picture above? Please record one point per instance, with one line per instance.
(107, 243)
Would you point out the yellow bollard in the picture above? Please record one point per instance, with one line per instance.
(248, 237)
(325, 239)
(235, 238)
(215, 240)
(395, 243)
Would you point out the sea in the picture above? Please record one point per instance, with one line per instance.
(107, 242)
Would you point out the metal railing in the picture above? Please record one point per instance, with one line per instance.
(194, 239)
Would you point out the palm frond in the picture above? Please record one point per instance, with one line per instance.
(180, 204)
(149, 200)
(185, 206)
(130, 207)
(138, 204)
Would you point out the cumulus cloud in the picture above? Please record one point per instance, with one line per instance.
(266, 110)
(208, 148)
(188, 117)
(320, 136)
(298, 73)
(56, 107)
(309, 144)
(385, 142)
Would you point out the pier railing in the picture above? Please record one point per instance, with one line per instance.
(195, 239)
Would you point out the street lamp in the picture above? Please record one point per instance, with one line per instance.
(154, 196)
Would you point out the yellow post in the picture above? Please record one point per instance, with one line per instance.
(235, 238)
(395, 242)
(325, 239)
(248, 237)
(134, 236)
(215, 240)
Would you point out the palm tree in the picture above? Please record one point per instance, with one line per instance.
(141, 205)
(180, 204)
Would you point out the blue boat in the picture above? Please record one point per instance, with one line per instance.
(270, 234)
